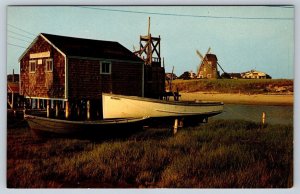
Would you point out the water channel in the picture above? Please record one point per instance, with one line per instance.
(274, 114)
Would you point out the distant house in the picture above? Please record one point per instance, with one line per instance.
(254, 74)
(12, 94)
(14, 100)
(13, 78)
(193, 75)
(68, 70)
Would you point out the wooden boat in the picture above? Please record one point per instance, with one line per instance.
(119, 106)
(58, 126)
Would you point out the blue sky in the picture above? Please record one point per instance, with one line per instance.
(242, 37)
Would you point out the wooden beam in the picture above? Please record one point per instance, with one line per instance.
(148, 26)
(175, 126)
(88, 109)
(48, 108)
(12, 100)
(155, 49)
(67, 109)
(158, 42)
(56, 109)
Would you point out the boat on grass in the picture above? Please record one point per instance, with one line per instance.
(120, 106)
(58, 126)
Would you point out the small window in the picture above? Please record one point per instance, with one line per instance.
(40, 61)
(49, 65)
(204, 69)
(32, 66)
(105, 67)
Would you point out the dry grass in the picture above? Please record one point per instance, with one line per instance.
(220, 154)
(253, 86)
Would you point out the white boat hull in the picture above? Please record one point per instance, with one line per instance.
(118, 106)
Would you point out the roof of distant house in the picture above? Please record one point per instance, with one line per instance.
(13, 77)
(253, 71)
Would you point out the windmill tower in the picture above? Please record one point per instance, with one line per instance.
(208, 66)
(154, 73)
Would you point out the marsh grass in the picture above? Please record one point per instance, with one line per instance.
(247, 86)
(219, 154)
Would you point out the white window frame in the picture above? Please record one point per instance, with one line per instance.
(105, 62)
(31, 62)
(51, 69)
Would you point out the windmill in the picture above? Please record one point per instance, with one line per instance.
(208, 65)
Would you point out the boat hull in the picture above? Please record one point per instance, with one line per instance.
(118, 106)
(58, 126)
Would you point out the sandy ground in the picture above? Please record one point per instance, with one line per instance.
(268, 99)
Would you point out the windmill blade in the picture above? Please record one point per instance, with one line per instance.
(221, 67)
(199, 54)
(208, 51)
(205, 58)
(202, 59)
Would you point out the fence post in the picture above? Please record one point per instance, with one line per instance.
(38, 104)
(263, 119)
(48, 108)
(56, 109)
(175, 126)
(67, 109)
(88, 109)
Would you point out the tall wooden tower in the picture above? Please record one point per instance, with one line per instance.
(154, 74)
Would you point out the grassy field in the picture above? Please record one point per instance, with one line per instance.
(218, 154)
(253, 86)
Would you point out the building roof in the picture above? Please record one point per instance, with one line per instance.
(13, 87)
(211, 57)
(13, 77)
(89, 48)
(253, 71)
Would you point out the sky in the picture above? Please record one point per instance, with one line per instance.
(242, 37)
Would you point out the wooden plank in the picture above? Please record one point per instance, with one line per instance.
(39, 55)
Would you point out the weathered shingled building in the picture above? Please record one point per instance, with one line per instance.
(208, 67)
(71, 73)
